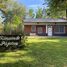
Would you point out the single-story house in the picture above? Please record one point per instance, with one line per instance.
(45, 27)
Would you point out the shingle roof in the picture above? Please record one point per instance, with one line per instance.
(45, 20)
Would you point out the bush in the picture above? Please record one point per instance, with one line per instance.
(15, 28)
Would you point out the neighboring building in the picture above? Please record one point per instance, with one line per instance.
(50, 27)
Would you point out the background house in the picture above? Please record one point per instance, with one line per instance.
(50, 27)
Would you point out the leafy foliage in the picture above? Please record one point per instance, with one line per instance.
(52, 14)
(15, 13)
(16, 27)
(31, 13)
(39, 13)
(57, 7)
(14, 16)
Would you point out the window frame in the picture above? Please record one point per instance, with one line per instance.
(33, 28)
(59, 32)
(39, 30)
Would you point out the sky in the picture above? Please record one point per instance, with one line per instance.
(1, 19)
(34, 4)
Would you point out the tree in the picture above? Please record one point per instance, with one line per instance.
(39, 13)
(15, 13)
(3, 6)
(14, 27)
(15, 16)
(57, 6)
(31, 13)
(11, 7)
(50, 14)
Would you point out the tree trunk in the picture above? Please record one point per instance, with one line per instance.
(66, 13)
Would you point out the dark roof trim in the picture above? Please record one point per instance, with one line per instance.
(45, 20)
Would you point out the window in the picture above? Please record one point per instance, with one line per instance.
(33, 28)
(59, 29)
(39, 29)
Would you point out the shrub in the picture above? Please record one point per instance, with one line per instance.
(15, 28)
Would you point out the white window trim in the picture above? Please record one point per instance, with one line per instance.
(46, 29)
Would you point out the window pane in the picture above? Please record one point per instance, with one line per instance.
(39, 30)
(59, 29)
(33, 28)
(56, 28)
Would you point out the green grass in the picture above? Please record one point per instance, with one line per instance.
(40, 52)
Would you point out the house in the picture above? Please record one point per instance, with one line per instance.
(45, 27)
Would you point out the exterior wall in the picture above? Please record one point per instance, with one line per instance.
(27, 29)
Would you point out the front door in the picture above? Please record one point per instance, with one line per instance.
(49, 30)
(39, 30)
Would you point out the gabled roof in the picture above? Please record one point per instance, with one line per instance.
(45, 20)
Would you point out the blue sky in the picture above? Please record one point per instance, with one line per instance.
(34, 4)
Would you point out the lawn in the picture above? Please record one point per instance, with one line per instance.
(40, 52)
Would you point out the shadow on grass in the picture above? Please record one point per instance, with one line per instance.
(42, 53)
(19, 58)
